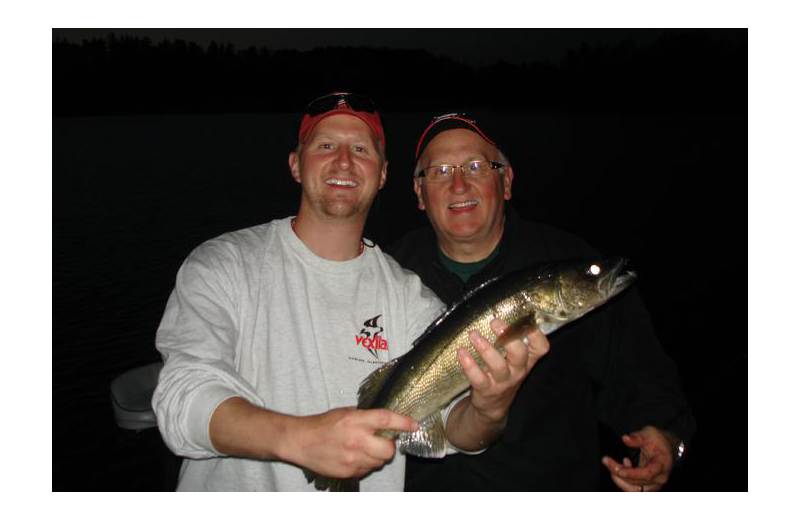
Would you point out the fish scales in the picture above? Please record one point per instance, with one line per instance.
(432, 367)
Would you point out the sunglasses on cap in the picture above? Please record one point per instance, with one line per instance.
(357, 102)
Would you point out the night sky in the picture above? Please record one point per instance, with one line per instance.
(511, 45)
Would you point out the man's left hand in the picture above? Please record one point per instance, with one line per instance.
(493, 391)
(656, 461)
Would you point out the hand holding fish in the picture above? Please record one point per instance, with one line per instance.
(493, 390)
(338, 443)
(655, 461)
(341, 443)
(478, 420)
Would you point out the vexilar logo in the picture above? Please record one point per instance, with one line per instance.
(370, 337)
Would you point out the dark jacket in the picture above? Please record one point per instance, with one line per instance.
(607, 366)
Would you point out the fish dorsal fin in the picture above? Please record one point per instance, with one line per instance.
(474, 290)
(452, 308)
(372, 384)
(428, 441)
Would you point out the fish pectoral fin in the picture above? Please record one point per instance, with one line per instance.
(515, 332)
(429, 441)
(372, 384)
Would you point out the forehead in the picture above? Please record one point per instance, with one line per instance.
(342, 124)
(455, 144)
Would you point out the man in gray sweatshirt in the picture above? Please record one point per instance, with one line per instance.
(270, 329)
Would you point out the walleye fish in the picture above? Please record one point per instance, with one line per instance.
(425, 380)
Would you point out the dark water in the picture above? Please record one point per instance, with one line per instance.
(134, 195)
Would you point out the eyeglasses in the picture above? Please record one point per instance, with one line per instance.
(329, 102)
(474, 170)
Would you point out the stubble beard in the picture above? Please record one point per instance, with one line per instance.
(341, 208)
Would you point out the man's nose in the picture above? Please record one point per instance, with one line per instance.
(344, 158)
(459, 182)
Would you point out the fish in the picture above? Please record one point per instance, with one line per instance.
(421, 383)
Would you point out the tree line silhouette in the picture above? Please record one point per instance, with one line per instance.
(683, 70)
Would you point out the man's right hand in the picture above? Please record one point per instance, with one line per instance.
(341, 443)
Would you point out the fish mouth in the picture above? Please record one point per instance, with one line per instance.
(616, 281)
(343, 183)
(463, 204)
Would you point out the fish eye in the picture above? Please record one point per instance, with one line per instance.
(593, 270)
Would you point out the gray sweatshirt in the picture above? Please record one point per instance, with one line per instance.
(256, 314)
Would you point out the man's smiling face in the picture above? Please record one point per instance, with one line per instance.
(340, 167)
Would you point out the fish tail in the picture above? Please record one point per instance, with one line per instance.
(344, 484)
(332, 484)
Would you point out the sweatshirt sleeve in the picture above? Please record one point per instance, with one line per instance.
(197, 339)
(638, 383)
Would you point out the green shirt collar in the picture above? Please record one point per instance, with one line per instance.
(465, 270)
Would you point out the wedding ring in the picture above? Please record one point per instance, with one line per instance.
(526, 341)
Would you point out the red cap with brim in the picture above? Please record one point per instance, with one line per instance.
(448, 122)
(373, 121)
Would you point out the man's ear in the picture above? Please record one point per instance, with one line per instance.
(384, 171)
(418, 191)
(294, 166)
(508, 178)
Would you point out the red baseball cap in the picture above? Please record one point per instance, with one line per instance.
(445, 122)
(342, 103)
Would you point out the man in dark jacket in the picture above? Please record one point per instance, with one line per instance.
(608, 366)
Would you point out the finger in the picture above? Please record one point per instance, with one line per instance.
(627, 483)
(624, 485)
(612, 465)
(539, 344)
(644, 474)
(620, 471)
(495, 361)
(512, 340)
(383, 419)
(517, 354)
(376, 450)
(631, 440)
(498, 326)
(634, 440)
(613, 468)
(475, 375)
(538, 347)
(653, 470)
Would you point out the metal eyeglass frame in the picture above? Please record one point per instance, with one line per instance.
(493, 165)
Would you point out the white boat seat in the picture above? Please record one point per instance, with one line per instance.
(131, 394)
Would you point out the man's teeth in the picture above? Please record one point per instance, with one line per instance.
(338, 182)
(465, 204)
